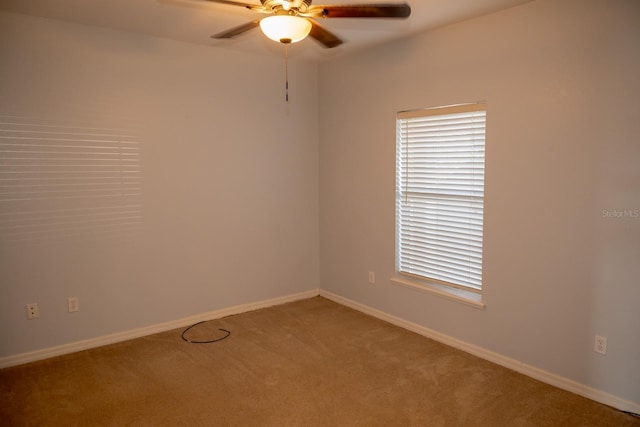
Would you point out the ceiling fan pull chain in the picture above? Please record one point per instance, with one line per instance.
(286, 72)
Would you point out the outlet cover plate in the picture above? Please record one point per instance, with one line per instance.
(73, 304)
(600, 345)
(32, 311)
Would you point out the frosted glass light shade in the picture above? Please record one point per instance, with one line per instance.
(285, 28)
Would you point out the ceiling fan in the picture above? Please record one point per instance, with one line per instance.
(290, 21)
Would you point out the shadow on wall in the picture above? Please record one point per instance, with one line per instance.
(68, 176)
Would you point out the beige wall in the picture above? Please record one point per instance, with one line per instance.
(229, 182)
(561, 83)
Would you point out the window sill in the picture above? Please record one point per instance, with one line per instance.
(458, 295)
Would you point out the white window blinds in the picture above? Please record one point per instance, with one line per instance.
(440, 192)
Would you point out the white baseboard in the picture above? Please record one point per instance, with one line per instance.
(507, 362)
(46, 353)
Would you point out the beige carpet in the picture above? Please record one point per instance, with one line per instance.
(307, 363)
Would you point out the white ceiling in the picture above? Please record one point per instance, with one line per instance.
(194, 21)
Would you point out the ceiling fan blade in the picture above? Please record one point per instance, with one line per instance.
(390, 10)
(324, 36)
(237, 3)
(236, 30)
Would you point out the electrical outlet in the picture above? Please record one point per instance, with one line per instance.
(600, 345)
(74, 304)
(32, 311)
(372, 277)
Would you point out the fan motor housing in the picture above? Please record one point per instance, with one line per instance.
(275, 5)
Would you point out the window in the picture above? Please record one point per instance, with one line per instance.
(440, 196)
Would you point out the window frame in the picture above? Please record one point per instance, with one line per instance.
(467, 293)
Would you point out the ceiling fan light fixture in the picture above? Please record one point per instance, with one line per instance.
(285, 28)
